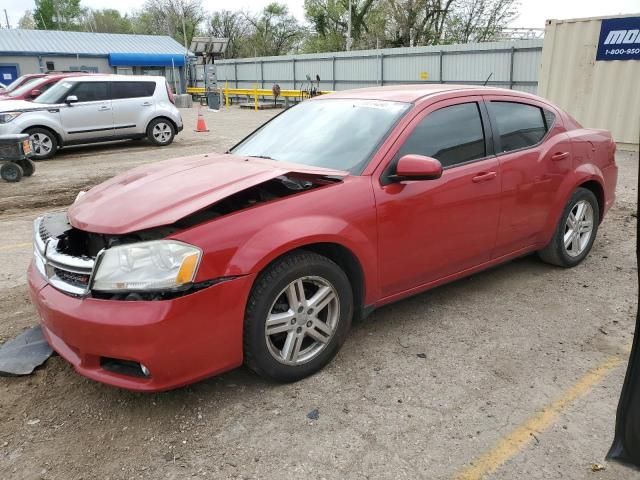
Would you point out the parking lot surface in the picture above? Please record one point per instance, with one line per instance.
(512, 373)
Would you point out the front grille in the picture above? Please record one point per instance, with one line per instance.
(79, 280)
(68, 273)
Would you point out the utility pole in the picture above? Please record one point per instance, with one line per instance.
(186, 50)
(349, 29)
(6, 17)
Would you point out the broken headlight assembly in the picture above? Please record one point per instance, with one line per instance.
(155, 266)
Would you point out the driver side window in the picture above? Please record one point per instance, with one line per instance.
(91, 91)
(452, 135)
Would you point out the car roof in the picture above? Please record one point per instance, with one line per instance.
(63, 75)
(118, 78)
(413, 93)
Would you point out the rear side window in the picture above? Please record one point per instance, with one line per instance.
(132, 89)
(519, 125)
(91, 91)
(453, 135)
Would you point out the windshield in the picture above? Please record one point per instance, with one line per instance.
(15, 84)
(27, 87)
(55, 94)
(339, 134)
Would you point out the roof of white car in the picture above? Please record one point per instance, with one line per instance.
(116, 78)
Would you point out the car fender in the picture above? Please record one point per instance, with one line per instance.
(583, 173)
(275, 240)
(37, 119)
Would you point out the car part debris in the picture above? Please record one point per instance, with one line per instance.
(21, 355)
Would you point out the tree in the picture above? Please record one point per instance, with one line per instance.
(235, 27)
(479, 20)
(58, 14)
(330, 22)
(109, 20)
(26, 22)
(417, 22)
(165, 17)
(275, 31)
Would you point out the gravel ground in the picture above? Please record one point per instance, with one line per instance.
(420, 389)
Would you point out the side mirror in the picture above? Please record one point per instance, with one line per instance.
(35, 93)
(417, 167)
(71, 99)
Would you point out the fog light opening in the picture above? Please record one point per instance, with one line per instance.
(129, 368)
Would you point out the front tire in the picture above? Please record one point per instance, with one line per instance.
(44, 143)
(11, 172)
(576, 231)
(161, 132)
(298, 315)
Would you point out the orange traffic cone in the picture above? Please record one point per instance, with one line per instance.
(201, 126)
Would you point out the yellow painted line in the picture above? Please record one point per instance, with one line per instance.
(15, 246)
(513, 443)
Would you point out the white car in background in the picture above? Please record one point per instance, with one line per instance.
(92, 109)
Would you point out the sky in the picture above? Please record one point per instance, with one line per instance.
(533, 13)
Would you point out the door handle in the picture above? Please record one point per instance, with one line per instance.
(559, 156)
(484, 176)
(147, 104)
(104, 108)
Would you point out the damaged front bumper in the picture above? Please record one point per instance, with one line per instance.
(178, 341)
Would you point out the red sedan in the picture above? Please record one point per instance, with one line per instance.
(20, 81)
(183, 269)
(36, 86)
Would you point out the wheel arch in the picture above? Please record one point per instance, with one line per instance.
(342, 256)
(595, 187)
(162, 117)
(48, 128)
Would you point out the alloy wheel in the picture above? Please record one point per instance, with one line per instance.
(42, 144)
(578, 228)
(302, 320)
(162, 132)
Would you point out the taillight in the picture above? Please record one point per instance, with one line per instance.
(169, 93)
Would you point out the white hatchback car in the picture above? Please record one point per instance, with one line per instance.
(91, 109)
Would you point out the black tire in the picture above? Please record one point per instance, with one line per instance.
(165, 136)
(11, 172)
(38, 137)
(268, 289)
(556, 253)
(28, 167)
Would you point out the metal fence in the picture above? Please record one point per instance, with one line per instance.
(510, 64)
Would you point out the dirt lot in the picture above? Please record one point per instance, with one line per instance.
(515, 372)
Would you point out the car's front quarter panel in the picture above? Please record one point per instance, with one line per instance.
(46, 117)
(245, 242)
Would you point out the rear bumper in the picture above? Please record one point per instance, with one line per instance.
(180, 341)
(610, 175)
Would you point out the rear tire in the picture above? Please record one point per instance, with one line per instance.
(298, 315)
(28, 167)
(161, 132)
(11, 172)
(576, 231)
(44, 143)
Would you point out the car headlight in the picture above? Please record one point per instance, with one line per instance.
(8, 116)
(159, 265)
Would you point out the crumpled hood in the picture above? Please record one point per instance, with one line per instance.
(162, 193)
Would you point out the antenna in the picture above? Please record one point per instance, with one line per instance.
(487, 80)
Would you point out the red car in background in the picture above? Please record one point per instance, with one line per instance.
(20, 81)
(183, 269)
(36, 86)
